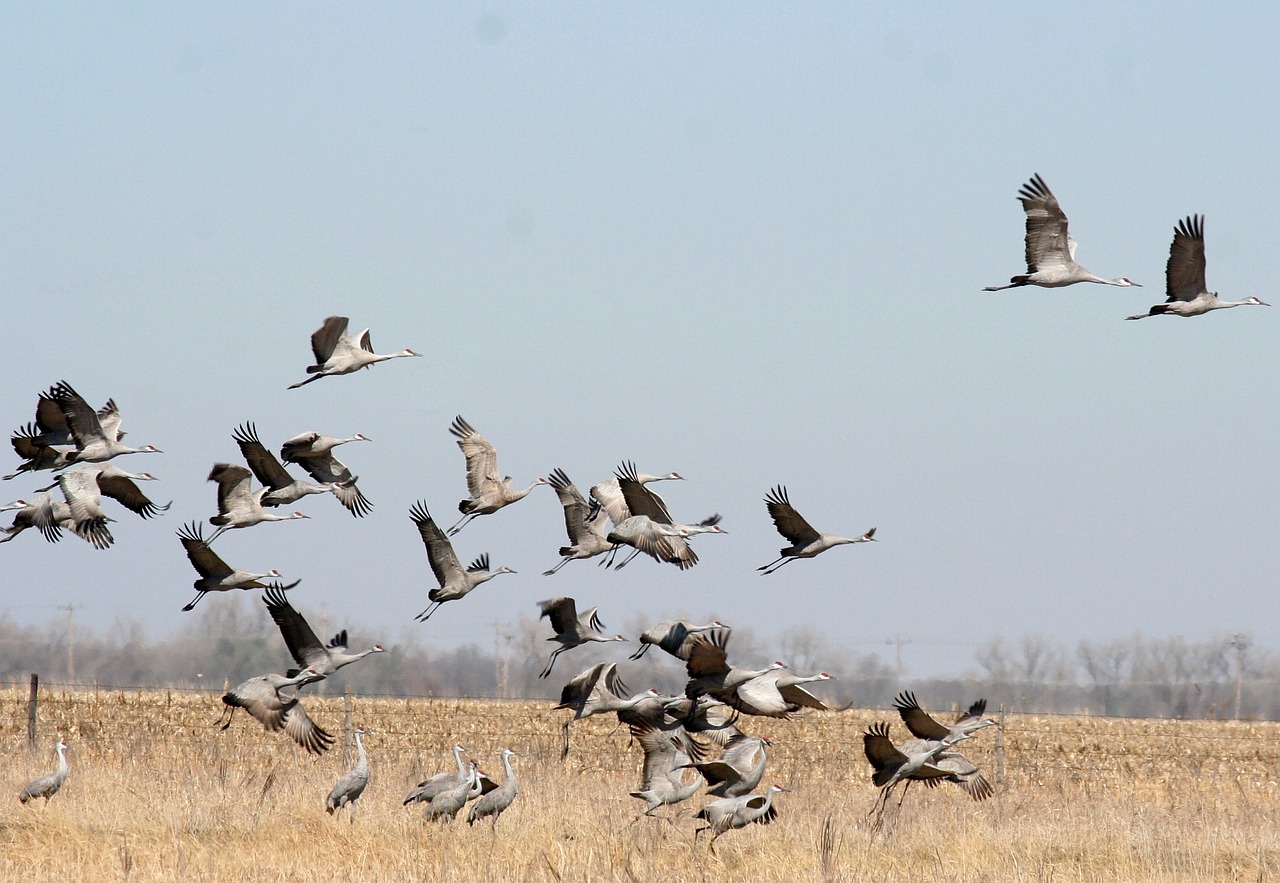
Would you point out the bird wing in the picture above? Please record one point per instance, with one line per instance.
(1184, 273)
(49, 418)
(794, 694)
(261, 700)
(575, 505)
(787, 520)
(562, 612)
(482, 459)
(639, 499)
(325, 338)
(609, 496)
(298, 447)
(661, 754)
(110, 418)
(974, 712)
(80, 487)
(266, 468)
(206, 561)
(82, 420)
(742, 753)
(880, 751)
(1047, 246)
(330, 470)
(440, 555)
(574, 694)
(591, 616)
(127, 493)
(964, 773)
(758, 696)
(304, 646)
(303, 730)
(233, 486)
(708, 654)
(918, 721)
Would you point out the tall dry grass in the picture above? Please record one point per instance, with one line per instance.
(157, 793)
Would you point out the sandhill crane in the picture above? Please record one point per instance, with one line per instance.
(97, 438)
(48, 785)
(84, 487)
(238, 504)
(891, 764)
(739, 770)
(215, 574)
(304, 646)
(454, 581)
(495, 803)
(282, 488)
(647, 525)
(673, 635)
(1188, 294)
(489, 489)
(597, 690)
(608, 493)
(585, 523)
(805, 541)
(351, 784)
(709, 670)
(16, 504)
(51, 517)
(777, 694)
(729, 813)
(665, 779)
(963, 771)
(314, 453)
(1051, 250)
(35, 456)
(572, 630)
(50, 426)
(337, 352)
(272, 700)
(428, 788)
(444, 807)
(923, 726)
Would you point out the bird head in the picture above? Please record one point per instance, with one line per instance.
(618, 638)
(1125, 282)
(377, 648)
(1256, 301)
(273, 572)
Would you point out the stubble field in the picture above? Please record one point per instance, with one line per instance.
(157, 792)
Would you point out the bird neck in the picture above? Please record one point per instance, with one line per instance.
(506, 768)
(362, 760)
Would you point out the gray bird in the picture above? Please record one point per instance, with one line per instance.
(304, 646)
(352, 783)
(572, 630)
(923, 726)
(673, 635)
(339, 353)
(489, 490)
(215, 574)
(806, 542)
(586, 523)
(495, 802)
(739, 770)
(665, 780)
(729, 813)
(272, 700)
(446, 805)
(454, 582)
(47, 786)
(427, 789)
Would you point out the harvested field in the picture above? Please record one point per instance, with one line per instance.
(157, 792)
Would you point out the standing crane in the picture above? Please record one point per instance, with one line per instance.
(585, 523)
(495, 803)
(729, 813)
(351, 784)
(337, 352)
(97, 438)
(1051, 250)
(304, 646)
(239, 505)
(571, 629)
(215, 574)
(1188, 294)
(428, 788)
(47, 786)
(272, 700)
(314, 453)
(489, 489)
(445, 806)
(454, 582)
(805, 541)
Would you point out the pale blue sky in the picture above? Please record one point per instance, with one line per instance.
(743, 241)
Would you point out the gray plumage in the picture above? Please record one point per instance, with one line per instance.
(923, 726)
(571, 629)
(667, 778)
(489, 490)
(97, 438)
(281, 487)
(585, 523)
(446, 805)
(454, 582)
(739, 770)
(304, 646)
(337, 352)
(729, 813)
(494, 803)
(314, 453)
(47, 786)
(352, 783)
(806, 542)
(427, 789)
(215, 574)
(272, 700)
(673, 636)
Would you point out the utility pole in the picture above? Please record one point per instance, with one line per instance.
(500, 669)
(71, 640)
(1241, 642)
(898, 644)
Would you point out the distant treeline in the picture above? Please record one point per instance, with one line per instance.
(229, 639)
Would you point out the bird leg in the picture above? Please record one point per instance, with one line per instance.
(195, 600)
(230, 713)
(634, 553)
(426, 614)
(552, 661)
(773, 567)
(563, 562)
(460, 524)
(564, 752)
(217, 533)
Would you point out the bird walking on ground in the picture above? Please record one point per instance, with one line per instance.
(496, 802)
(454, 582)
(351, 784)
(586, 523)
(445, 806)
(46, 786)
(489, 490)
(1188, 294)
(240, 506)
(314, 453)
(337, 352)
(571, 629)
(215, 574)
(1050, 249)
(304, 646)
(729, 813)
(805, 541)
(272, 700)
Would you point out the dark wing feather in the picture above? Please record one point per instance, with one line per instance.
(787, 520)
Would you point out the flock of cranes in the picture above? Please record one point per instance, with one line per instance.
(686, 739)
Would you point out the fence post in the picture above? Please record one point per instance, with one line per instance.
(1000, 751)
(31, 710)
(346, 727)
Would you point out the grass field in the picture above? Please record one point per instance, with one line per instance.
(157, 792)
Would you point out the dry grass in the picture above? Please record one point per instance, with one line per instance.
(157, 793)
